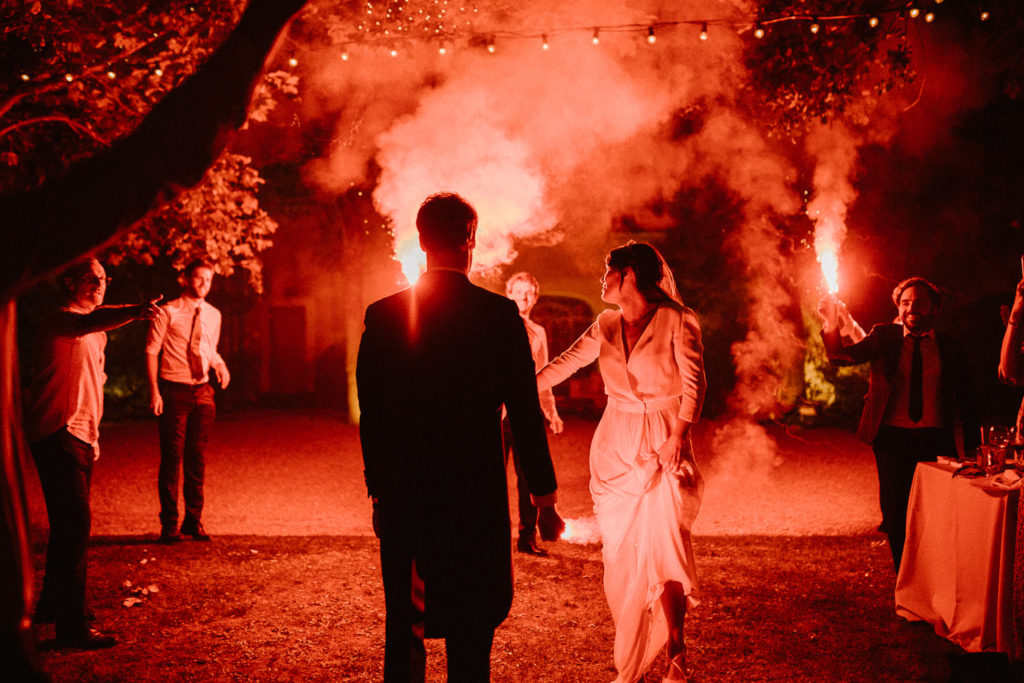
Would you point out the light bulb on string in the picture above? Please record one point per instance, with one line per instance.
(490, 45)
(344, 55)
(111, 75)
(759, 32)
(68, 77)
(544, 42)
(914, 12)
(873, 22)
(394, 52)
(25, 77)
(442, 50)
(984, 15)
(815, 26)
(158, 72)
(704, 31)
(929, 17)
(293, 62)
(596, 40)
(650, 35)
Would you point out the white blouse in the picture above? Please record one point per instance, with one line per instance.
(667, 361)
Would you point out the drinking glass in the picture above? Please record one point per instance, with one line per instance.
(1000, 435)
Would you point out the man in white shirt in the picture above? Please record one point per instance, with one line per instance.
(63, 415)
(524, 289)
(180, 350)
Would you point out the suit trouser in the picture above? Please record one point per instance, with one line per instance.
(468, 647)
(897, 452)
(65, 473)
(188, 415)
(527, 510)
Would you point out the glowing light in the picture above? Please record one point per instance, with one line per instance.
(344, 56)
(759, 32)
(597, 38)
(650, 35)
(914, 12)
(544, 42)
(815, 26)
(704, 31)
(24, 77)
(293, 62)
(412, 259)
(443, 50)
(158, 72)
(68, 77)
(490, 47)
(829, 261)
(394, 52)
(929, 17)
(873, 22)
(111, 74)
(984, 15)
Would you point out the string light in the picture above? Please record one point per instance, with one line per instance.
(984, 15)
(544, 42)
(158, 72)
(650, 35)
(815, 26)
(442, 50)
(394, 52)
(111, 75)
(914, 12)
(704, 31)
(344, 55)
(293, 62)
(490, 45)
(929, 17)
(68, 77)
(873, 22)
(759, 32)
(596, 39)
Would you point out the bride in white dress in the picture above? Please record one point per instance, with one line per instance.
(643, 478)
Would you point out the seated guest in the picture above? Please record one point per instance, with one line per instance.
(919, 385)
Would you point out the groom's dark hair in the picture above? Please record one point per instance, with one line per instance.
(445, 222)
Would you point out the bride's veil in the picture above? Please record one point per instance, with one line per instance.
(667, 283)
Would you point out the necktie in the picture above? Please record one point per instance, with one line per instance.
(916, 408)
(195, 360)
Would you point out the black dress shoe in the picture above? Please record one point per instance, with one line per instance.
(170, 536)
(196, 531)
(90, 639)
(529, 546)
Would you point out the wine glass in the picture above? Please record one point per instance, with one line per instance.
(1000, 435)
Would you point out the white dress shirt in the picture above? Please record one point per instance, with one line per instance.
(169, 335)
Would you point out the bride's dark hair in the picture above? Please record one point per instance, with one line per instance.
(646, 264)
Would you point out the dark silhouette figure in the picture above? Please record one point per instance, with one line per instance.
(436, 363)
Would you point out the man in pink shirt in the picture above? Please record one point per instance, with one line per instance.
(180, 350)
(524, 289)
(65, 407)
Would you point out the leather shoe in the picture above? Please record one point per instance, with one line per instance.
(170, 536)
(525, 544)
(90, 639)
(196, 531)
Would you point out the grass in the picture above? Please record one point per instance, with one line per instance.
(311, 608)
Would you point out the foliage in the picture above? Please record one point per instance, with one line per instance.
(220, 220)
(801, 77)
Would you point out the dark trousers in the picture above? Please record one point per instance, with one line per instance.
(468, 646)
(65, 473)
(897, 452)
(527, 510)
(189, 411)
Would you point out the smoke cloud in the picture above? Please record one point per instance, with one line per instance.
(551, 146)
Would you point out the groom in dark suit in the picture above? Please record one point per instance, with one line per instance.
(436, 363)
(919, 388)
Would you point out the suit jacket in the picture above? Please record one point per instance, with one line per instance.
(436, 363)
(882, 349)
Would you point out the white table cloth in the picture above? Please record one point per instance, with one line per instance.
(957, 566)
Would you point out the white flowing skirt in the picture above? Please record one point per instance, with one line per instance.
(644, 515)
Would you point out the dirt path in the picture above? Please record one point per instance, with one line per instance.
(300, 473)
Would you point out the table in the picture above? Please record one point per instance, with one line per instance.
(957, 566)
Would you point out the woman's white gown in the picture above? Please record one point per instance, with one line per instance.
(644, 513)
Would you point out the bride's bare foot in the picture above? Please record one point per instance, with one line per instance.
(676, 672)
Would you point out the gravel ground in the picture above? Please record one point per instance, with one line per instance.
(300, 473)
